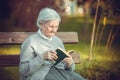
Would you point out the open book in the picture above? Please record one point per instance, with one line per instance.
(61, 55)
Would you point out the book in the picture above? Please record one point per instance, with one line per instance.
(61, 55)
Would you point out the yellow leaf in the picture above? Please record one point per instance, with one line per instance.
(104, 21)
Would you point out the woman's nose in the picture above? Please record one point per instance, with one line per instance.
(54, 29)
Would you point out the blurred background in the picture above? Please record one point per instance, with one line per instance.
(99, 61)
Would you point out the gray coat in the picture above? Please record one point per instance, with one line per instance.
(32, 65)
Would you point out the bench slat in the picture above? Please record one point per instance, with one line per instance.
(13, 60)
(9, 60)
(19, 37)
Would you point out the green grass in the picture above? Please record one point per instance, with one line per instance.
(105, 64)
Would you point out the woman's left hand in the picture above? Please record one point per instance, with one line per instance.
(68, 60)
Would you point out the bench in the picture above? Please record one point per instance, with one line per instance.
(16, 38)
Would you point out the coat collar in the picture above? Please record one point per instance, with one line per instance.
(43, 36)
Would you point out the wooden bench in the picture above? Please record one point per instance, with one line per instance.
(16, 38)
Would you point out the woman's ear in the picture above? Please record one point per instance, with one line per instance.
(41, 25)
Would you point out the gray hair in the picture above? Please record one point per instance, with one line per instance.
(47, 14)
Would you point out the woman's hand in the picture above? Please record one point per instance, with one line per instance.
(68, 60)
(50, 55)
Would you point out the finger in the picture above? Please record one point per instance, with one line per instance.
(69, 56)
(65, 59)
(53, 58)
(54, 54)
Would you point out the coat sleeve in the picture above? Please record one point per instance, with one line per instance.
(29, 62)
(72, 67)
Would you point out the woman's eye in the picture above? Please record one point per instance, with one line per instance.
(53, 26)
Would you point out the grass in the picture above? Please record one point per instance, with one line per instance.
(105, 64)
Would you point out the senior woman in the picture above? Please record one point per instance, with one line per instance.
(38, 52)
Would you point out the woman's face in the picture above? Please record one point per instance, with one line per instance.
(50, 28)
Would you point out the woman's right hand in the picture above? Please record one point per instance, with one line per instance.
(50, 55)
